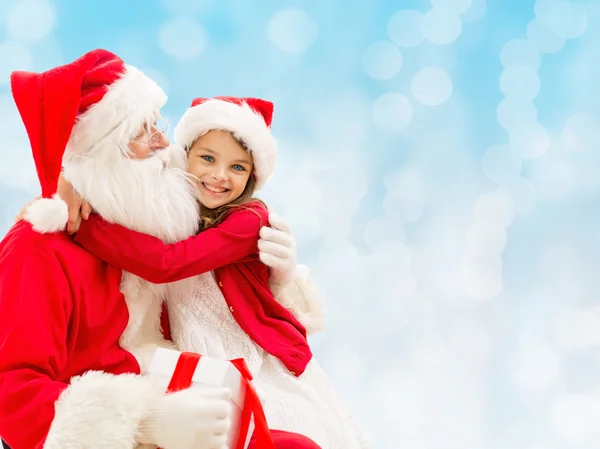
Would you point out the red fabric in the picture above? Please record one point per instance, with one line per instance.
(61, 314)
(184, 372)
(253, 408)
(263, 107)
(286, 440)
(230, 249)
(165, 326)
(49, 103)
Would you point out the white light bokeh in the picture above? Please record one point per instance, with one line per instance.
(574, 417)
(407, 182)
(536, 366)
(30, 20)
(381, 230)
(187, 7)
(485, 238)
(544, 39)
(530, 142)
(342, 203)
(382, 60)
(441, 27)
(182, 38)
(402, 209)
(435, 257)
(391, 257)
(405, 194)
(431, 86)
(576, 328)
(431, 55)
(521, 192)
(13, 57)
(340, 262)
(306, 226)
(405, 28)
(520, 81)
(292, 30)
(482, 277)
(306, 192)
(455, 6)
(342, 121)
(405, 403)
(494, 207)
(475, 12)
(582, 132)
(392, 112)
(516, 112)
(501, 164)
(553, 177)
(305, 219)
(566, 19)
(520, 52)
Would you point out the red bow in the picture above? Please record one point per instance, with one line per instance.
(182, 379)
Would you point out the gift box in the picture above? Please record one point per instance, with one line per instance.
(191, 370)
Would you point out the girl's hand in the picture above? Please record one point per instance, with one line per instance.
(78, 209)
(277, 249)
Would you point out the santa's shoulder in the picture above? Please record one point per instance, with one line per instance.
(23, 239)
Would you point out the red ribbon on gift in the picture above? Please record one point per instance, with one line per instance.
(182, 379)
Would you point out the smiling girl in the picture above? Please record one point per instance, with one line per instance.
(233, 313)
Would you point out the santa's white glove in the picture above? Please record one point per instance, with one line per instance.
(189, 419)
(277, 249)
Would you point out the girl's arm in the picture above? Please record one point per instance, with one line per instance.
(157, 262)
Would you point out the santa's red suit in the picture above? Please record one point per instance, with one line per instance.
(61, 315)
(66, 380)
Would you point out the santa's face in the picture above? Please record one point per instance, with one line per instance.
(150, 138)
(148, 191)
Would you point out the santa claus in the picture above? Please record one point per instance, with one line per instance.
(76, 333)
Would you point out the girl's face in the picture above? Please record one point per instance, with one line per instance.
(221, 167)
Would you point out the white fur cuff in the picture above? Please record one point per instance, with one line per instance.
(301, 298)
(48, 215)
(100, 410)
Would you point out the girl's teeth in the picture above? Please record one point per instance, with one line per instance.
(214, 189)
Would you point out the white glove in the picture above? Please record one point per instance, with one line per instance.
(189, 419)
(277, 249)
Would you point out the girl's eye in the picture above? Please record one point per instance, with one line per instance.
(208, 158)
(238, 167)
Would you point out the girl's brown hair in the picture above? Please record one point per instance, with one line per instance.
(210, 218)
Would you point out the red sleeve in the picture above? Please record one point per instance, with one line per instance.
(151, 259)
(35, 306)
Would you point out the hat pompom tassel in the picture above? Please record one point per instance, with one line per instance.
(48, 215)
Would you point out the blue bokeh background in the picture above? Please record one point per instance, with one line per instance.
(439, 165)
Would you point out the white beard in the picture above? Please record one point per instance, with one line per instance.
(154, 196)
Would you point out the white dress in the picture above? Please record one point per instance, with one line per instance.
(202, 323)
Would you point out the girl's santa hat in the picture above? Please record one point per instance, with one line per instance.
(248, 119)
(70, 109)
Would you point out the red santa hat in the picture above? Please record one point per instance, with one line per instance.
(70, 109)
(248, 119)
